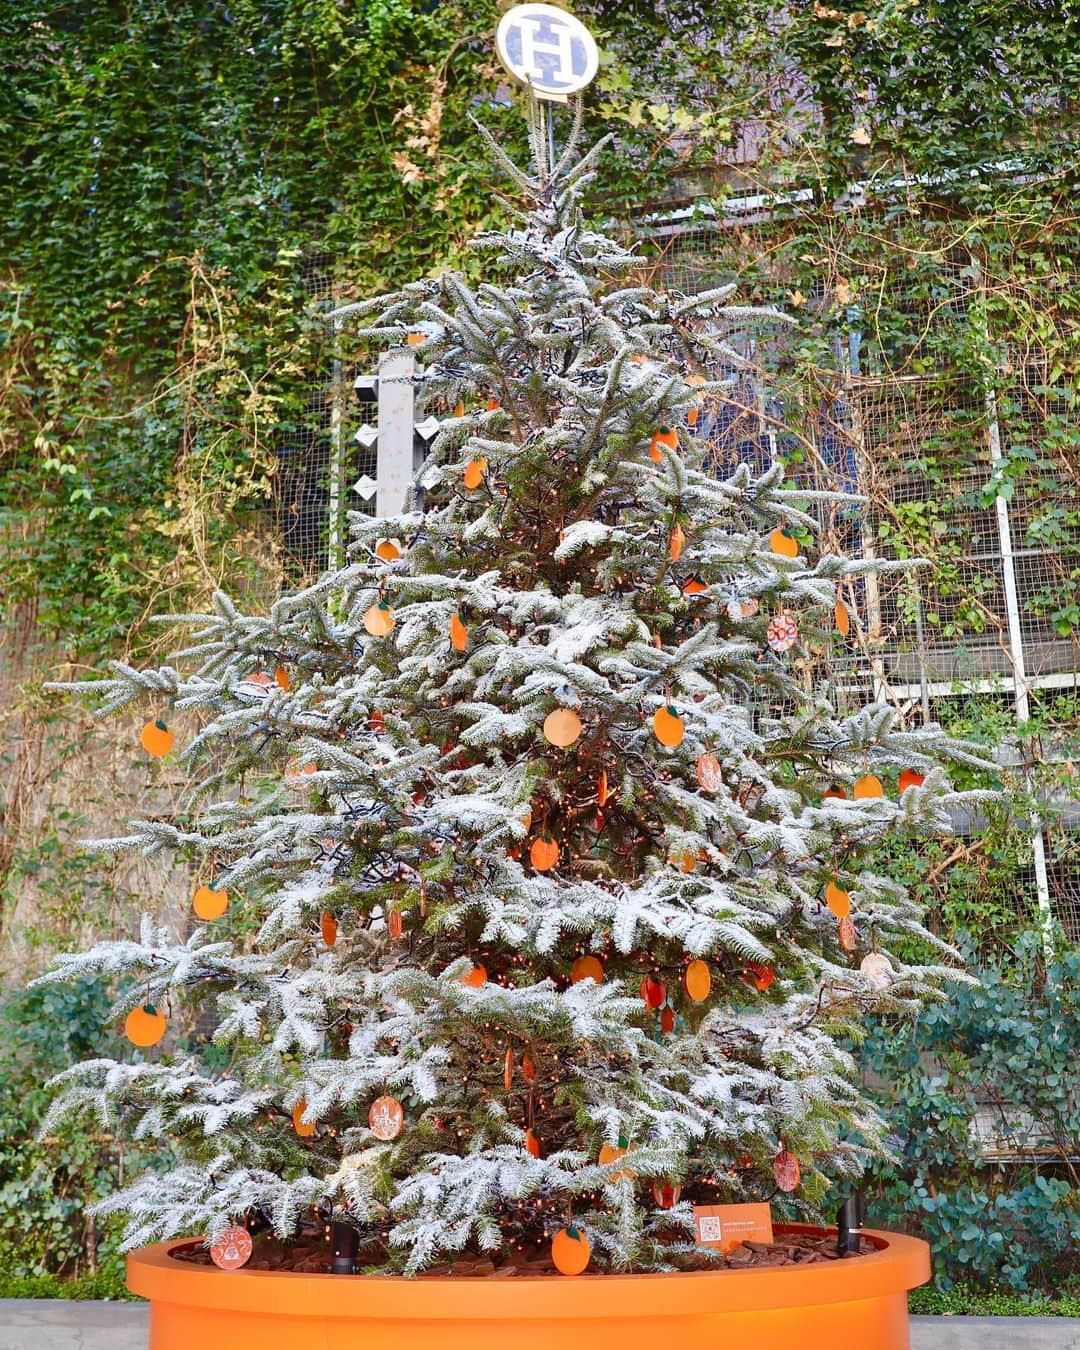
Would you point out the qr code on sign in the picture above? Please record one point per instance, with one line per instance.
(709, 1229)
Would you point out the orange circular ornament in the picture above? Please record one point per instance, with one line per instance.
(329, 926)
(668, 726)
(570, 1251)
(782, 543)
(694, 586)
(234, 1249)
(544, 853)
(786, 1170)
(532, 1144)
(209, 904)
(586, 968)
(698, 981)
(475, 978)
(386, 1118)
(708, 772)
(562, 727)
(474, 473)
(388, 550)
(156, 739)
(379, 619)
(459, 634)
(144, 1026)
(415, 339)
(867, 786)
(666, 436)
(834, 793)
(910, 778)
(493, 403)
(304, 1130)
(838, 900)
(609, 1153)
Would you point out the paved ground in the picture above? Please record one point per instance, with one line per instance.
(46, 1324)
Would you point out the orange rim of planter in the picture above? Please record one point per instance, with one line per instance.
(899, 1264)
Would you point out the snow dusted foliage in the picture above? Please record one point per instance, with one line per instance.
(432, 780)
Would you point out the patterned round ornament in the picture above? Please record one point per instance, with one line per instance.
(877, 970)
(782, 632)
(234, 1249)
(786, 1171)
(386, 1118)
(708, 772)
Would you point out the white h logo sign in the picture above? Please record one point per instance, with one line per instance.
(547, 49)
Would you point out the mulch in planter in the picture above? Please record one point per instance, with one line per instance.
(313, 1258)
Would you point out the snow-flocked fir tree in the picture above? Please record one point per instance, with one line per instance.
(496, 931)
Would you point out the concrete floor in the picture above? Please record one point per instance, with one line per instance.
(48, 1324)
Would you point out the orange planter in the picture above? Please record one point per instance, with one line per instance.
(819, 1307)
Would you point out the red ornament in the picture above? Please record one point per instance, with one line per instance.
(653, 992)
(666, 1193)
(911, 778)
(760, 977)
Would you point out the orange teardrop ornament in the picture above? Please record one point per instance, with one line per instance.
(698, 981)
(602, 793)
(842, 617)
(675, 544)
(532, 1144)
(329, 927)
(474, 472)
(838, 900)
(281, 678)
(303, 1130)
(459, 634)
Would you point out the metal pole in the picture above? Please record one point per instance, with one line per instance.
(336, 513)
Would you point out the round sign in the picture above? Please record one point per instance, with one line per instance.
(547, 49)
(234, 1249)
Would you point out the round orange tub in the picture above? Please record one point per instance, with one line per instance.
(824, 1306)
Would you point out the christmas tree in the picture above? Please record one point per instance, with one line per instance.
(536, 892)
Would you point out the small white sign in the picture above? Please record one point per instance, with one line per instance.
(547, 49)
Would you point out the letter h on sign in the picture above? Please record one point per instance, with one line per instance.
(547, 49)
